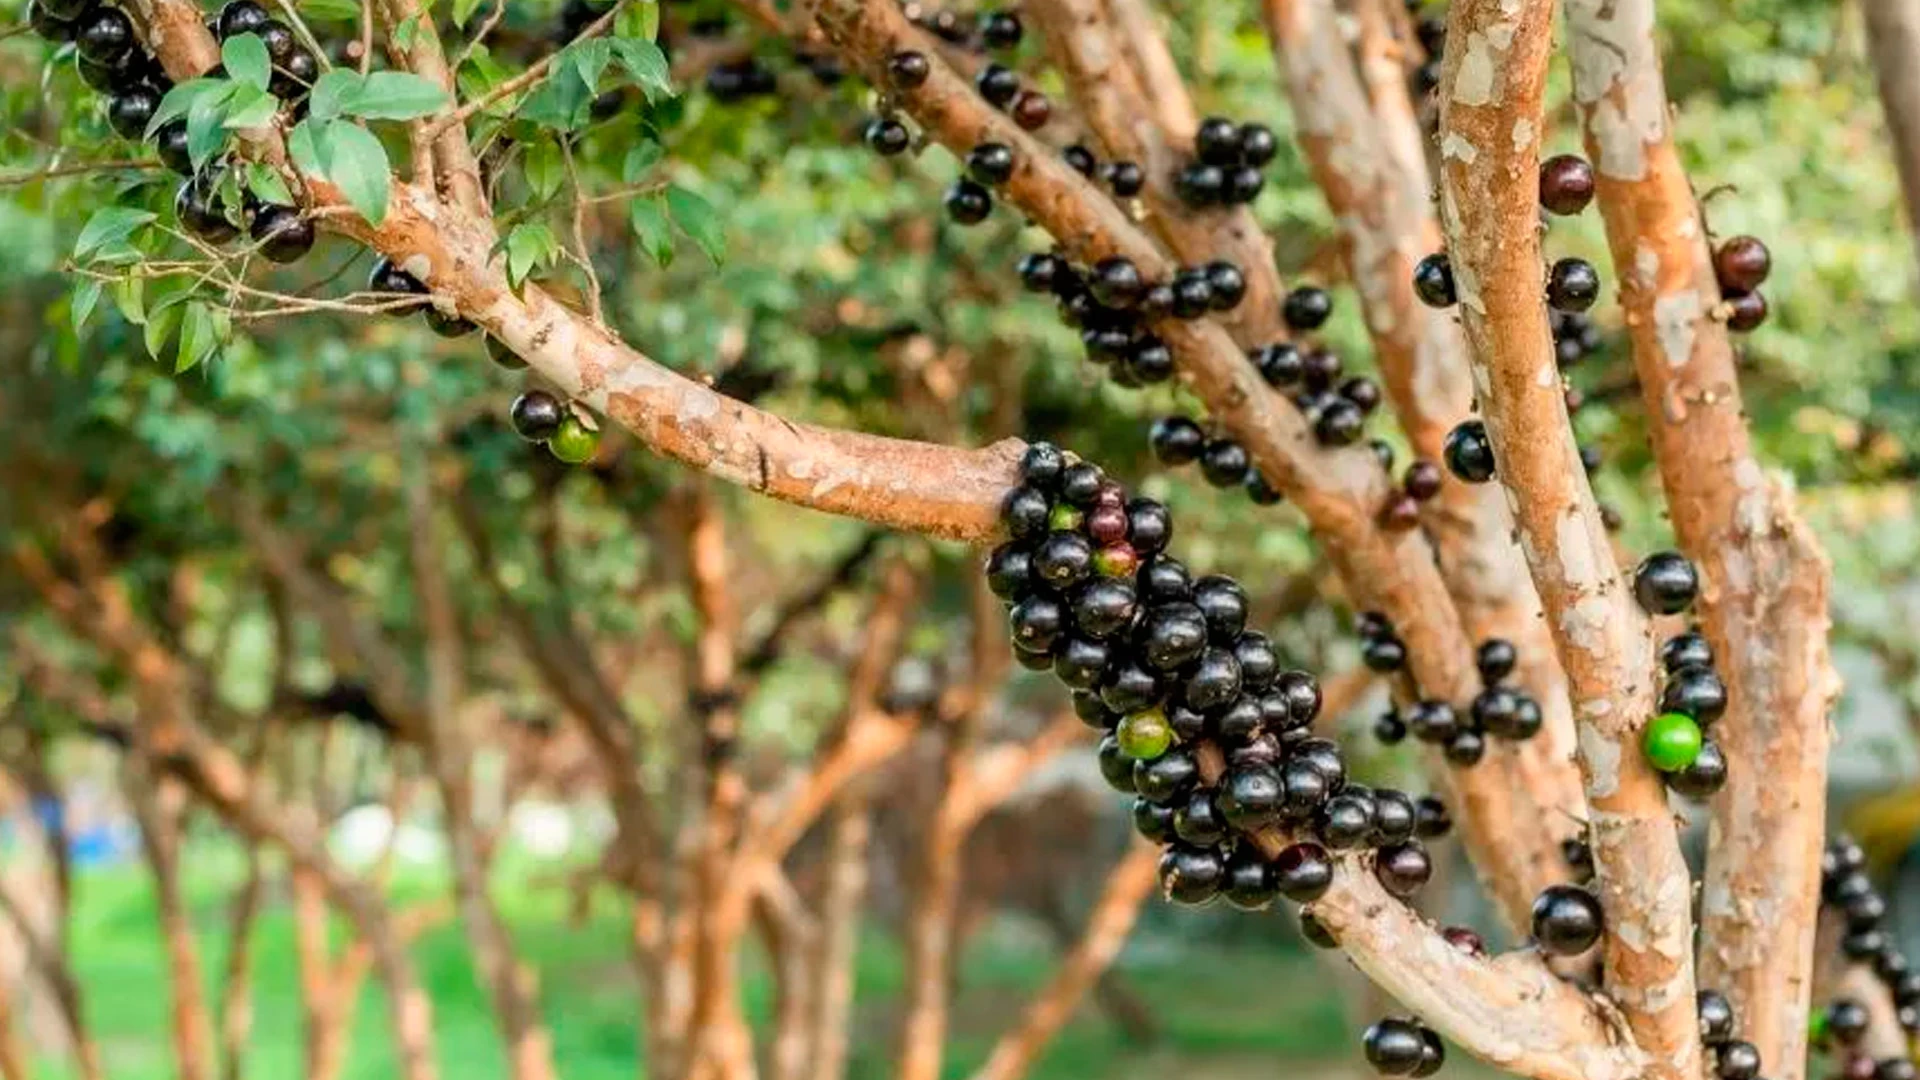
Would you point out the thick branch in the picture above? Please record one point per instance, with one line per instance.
(1764, 579)
(1893, 44)
(1381, 204)
(1491, 121)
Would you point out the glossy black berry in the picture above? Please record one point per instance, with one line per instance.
(1393, 1047)
(1705, 776)
(1042, 272)
(1257, 144)
(1716, 1017)
(1010, 571)
(1686, 650)
(990, 163)
(1224, 463)
(1384, 655)
(1302, 695)
(1131, 687)
(1739, 1060)
(536, 415)
(1340, 423)
(1026, 511)
(1165, 580)
(170, 142)
(1433, 281)
(1243, 184)
(1217, 141)
(998, 84)
(1466, 748)
(1566, 184)
(294, 76)
(1497, 711)
(1116, 282)
(1200, 185)
(284, 234)
(129, 110)
(1496, 658)
(197, 205)
(1665, 583)
(1573, 285)
(1192, 294)
(1742, 264)
(968, 203)
(1190, 875)
(1303, 872)
(1402, 868)
(1433, 721)
(1000, 30)
(1149, 526)
(1280, 364)
(1116, 768)
(1176, 440)
(279, 40)
(1307, 308)
(1173, 636)
(104, 35)
(1346, 821)
(908, 69)
(1432, 820)
(241, 17)
(1153, 821)
(1080, 158)
(1389, 728)
(1469, 453)
(1695, 691)
(53, 27)
(1124, 178)
(1394, 816)
(1746, 311)
(1063, 559)
(1223, 603)
(1567, 920)
(1229, 285)
(1847, 1020)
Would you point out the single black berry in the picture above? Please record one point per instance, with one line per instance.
(1224, 463)
(284, 234)
(1742, 264)
(1496, 658)
(1739, 1060)
(197, 205)
(1695, 691)
(1402, 868)
(1385, 654)
(1217, 141)
(998, 84)
(1746, 311)
(1280, 364)
(1176, 440)
(1469, 452)
(968, 203)
(1340, 423)
(1433, 281)
(1567, 920)
(105, 35)
(1000, 29)
(1665, 583)
(536, 415)
(1249, 884)
(1686, 650)
(908, 69)
(1124, 178)
(1572, 285)
(1228, 283)
(1716, 1017)
(1080, 158)
(990, 163)
(1201, 185)
(1705, 776)
(1431, 818)
(294, 76)
(1257, 144)
(1307, 307)
(241, 17)
(1190, 875)
(1393, 1047)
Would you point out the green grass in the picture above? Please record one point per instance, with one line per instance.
(1223, 1012)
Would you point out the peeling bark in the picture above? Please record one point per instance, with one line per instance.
(1491, 89)
(1764, 579)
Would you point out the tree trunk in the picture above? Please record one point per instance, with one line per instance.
(1893, 42)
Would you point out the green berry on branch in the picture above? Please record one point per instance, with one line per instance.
(1671, 741)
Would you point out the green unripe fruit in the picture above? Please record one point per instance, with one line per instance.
(1672, 741)
(1064, 518)
(1145, 735)
(574, 442)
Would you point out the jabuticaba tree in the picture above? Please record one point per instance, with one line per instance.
(498, 175)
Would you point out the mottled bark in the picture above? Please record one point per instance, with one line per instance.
(1893, 44)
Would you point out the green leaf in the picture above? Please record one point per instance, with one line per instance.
(199, 337)
(529, 246)
(640, 159)
(331, 92)
(181, 98)
(396, 95)
(86, 295)
(335, 10)
(129, 295)
(699, 220)
(463, 10)
(251, 107)
(639, 20)
(357, 164)
(109, 228)
(246, 60)
(646, 64)
(652, 228)
(589, 60)
(159, 329)
(205, 133)
(544, 168)
(266, 185)
(303, 145)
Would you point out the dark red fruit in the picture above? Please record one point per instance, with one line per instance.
(1746, 311)
(284, 234)
(1032, 109)
(1742, 264)
(908, 69)
(1566, 184)
(1402, 868)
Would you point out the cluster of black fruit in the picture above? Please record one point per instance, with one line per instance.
(1741, 265)
(1111, 302)
(1164, 665)
(1402, 1047)
(1498, 710)
(1566, 187)
(1692, 696)
(1734, 1059)
(1227, 164)
(988, 165)
(1848, 891)
(1840, 1028)
(1418, 484)
(987, 30)
(113, 60)
(1575, 337)
(1311, 375)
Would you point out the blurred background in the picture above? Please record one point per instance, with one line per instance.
(451, 662)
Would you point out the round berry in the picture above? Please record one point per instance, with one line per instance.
(1340, 423)
(1036, 622)
(1671, 741)
(1307, 308)
(1257, 144)
(1103, 607)
(1469, 452)
(1031, 110)
(1063, 560)
(1389, 728)
(1716, 1017)
(1686, 650)
(1191, 875)
(1433, 281)
(1665, 583)
(1153, 821)
(1746, 311)
(1124, 178)
(908, 69)
(197, 205)
(1010, 571)
(1384, 654)
(1149, 526)
(1742, 264)
(1229, 285)
(1567, 920)
(1280, 364)
(1042, 272)
(1249, 884)
(1705, 776)
(1217, 141)
(575, 442)
(1176, 440)
(1116, 768)
(1496, 659)
(1303, 872)
(887, 136)
(1000, 29)
(1198, 821)
(536, 415)
(241, 17)
(1573, 285)
(1696, 692)
(1223, 604)
(1566, 184)
(1116, 282)
(1466, 748)
(968, 203)
(1433, 721)
(105, 35)
(1393, 1047)
(1402, 868)
(1432, 820)
(170, 143)
(284, 234)
(1144, 734)
(294, 76)
(129, 110)
(1243, 184)
(1224, 462)
(998, 84)
(990, 163)
(1739, 1060)
(1200, 185)
(1167, 778)
(1080, 158)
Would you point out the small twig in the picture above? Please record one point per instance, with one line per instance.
(580, 234)
(366, 36)
(77, 169)
(486, 27)
(521, 81)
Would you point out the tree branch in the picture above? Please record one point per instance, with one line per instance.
(1764, 579)
(1491, 120)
